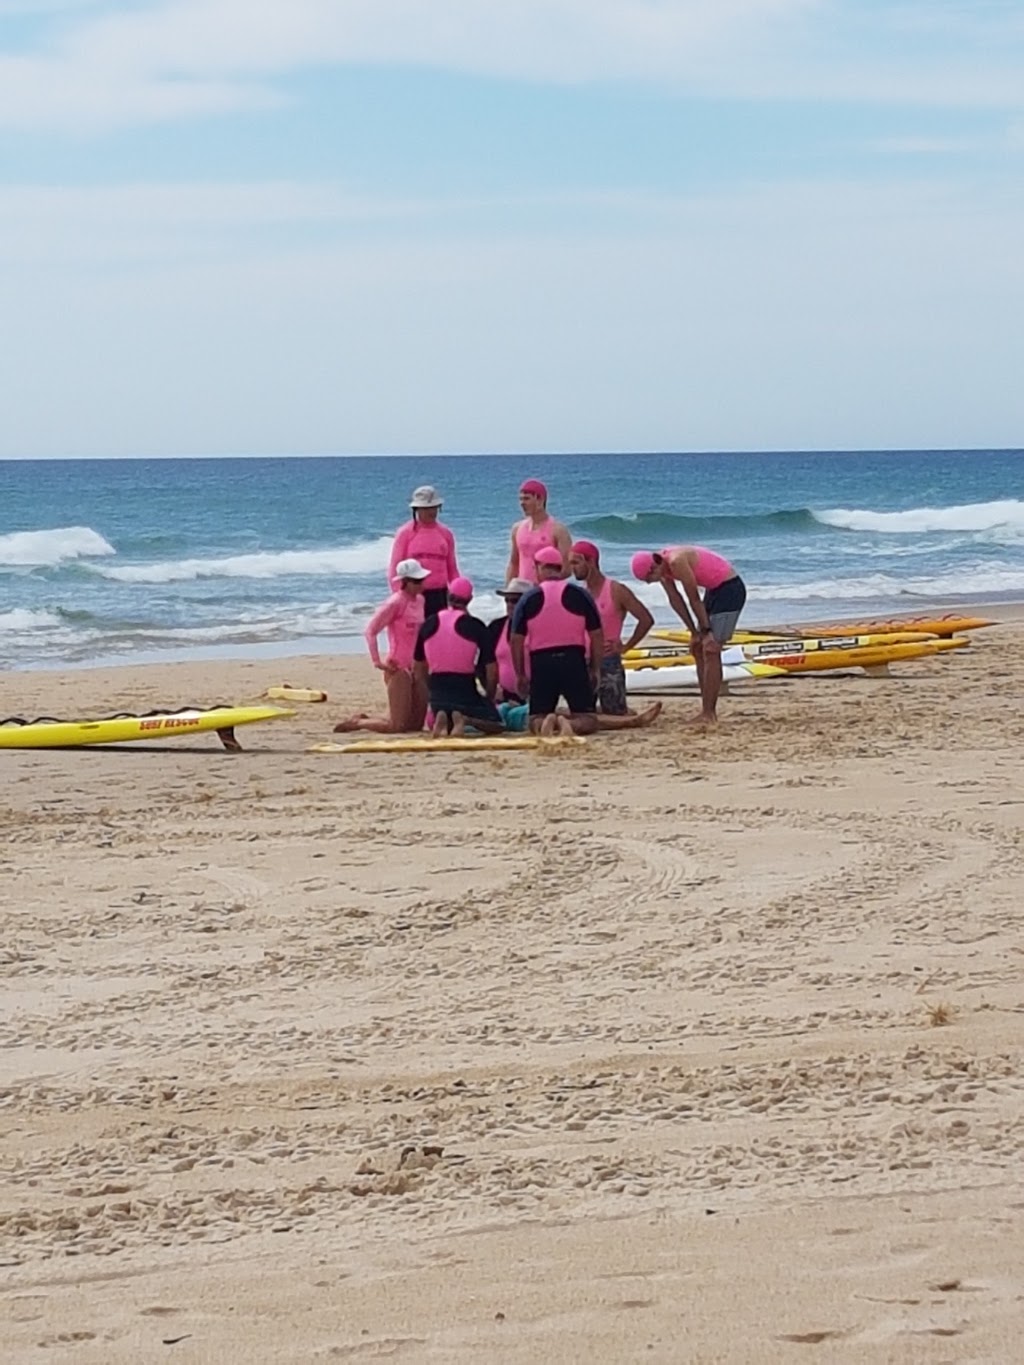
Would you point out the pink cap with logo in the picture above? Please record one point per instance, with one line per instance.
(642, 563)
(549, 555)
(535, 487)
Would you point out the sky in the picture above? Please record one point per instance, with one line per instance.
(400, 226)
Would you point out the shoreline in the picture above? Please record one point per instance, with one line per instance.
(353, 646)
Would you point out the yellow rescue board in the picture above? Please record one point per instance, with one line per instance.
(916, 626)
(427, 744)
(288, 693)
(64, 734)
(758, 646)
(950, 624)
(821, 660)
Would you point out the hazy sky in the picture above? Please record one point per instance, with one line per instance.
(262, 226)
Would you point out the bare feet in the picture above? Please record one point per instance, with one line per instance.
(565, 727)
(650, 713)
(440, 730)
(703, 720)
(549, 727)
(458, 730)
(353, 723)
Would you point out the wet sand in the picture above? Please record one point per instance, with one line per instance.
(672, 1046)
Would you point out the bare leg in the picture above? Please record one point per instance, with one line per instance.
(584, 722)
(548, 726)
(403, 715)
(418, 703)
(355, 722)
(637, 721)
(711, 681)
(485, 727)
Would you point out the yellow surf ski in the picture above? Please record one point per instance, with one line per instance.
(72, 734)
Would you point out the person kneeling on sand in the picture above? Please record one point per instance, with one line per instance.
(401, 616)
(557, 621)
(450, 650)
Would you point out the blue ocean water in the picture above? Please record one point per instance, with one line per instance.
(130, 560)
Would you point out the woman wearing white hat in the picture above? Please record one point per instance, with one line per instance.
(401, 617)
(424, 538)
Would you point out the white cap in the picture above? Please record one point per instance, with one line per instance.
(411, 568)
(426, 496)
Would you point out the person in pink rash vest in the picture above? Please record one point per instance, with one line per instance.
(431, 544)
(614, 601)
(558, 625)
(710, 618)
(401, 616)
(537, 531)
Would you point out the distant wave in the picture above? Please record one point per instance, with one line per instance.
(1007, 513)
(37, 549)
(368, 558)
(975, 581)
(665, 528)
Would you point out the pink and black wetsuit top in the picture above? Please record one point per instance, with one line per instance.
(556, 620)
(556, 615)
(530, 539)
(456, 647)
(401, 616)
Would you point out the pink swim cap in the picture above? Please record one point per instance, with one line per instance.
(535, 487)
(642, 563)
(587, 549)
(548, 555)
(461, 588)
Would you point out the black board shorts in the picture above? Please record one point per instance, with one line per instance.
(450, 692)
(723, 606)
(557, 673)
(434, 600)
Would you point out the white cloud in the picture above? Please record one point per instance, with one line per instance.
(179, 58)
(793, 315)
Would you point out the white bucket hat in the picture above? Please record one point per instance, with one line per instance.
(411, 568)
(425, 496)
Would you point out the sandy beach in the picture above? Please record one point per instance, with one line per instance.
(675, 1046)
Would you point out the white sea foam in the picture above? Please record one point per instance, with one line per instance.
(972, 516)
(369, 557)
(977, 581)
(19, 619)
(36, 549)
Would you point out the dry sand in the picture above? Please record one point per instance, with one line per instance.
(628, 1052)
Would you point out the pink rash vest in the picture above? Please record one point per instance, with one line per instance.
(401, 616)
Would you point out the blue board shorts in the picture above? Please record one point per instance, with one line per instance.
(516, 716)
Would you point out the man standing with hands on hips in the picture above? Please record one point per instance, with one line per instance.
(714, 616)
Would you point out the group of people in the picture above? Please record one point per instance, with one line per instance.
(553, 663)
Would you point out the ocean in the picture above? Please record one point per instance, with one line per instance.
(107, 561)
